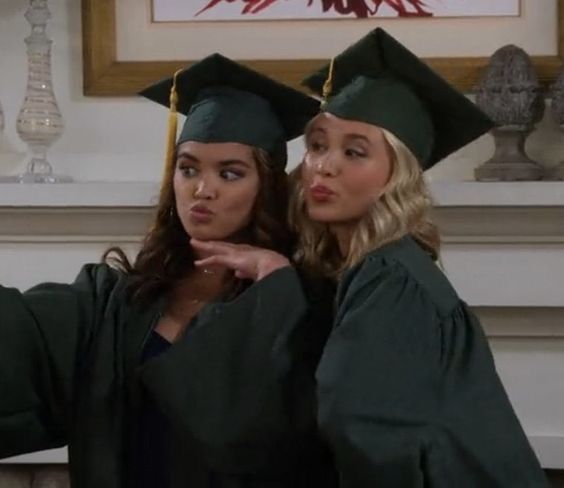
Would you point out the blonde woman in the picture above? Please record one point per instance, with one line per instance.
(407, 391)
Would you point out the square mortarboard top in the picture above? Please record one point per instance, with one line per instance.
(379, 81)
(225, 101)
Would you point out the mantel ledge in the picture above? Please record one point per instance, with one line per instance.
(142, 194)
(466, 212)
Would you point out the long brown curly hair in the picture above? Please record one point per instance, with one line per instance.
(166, 256)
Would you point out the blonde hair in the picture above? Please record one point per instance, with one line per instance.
(402, 208)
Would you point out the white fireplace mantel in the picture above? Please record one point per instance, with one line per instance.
(503, 249)
(498, 238)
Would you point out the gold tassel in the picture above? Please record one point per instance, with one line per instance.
(328, 85)
(172, 121)
(171, 134)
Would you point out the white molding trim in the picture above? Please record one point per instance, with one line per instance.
(467, 213)
(87, 194)
(91, 224)
(145, 193)
(522, 322)
(497, 194)
(462, 225)
(503, 225)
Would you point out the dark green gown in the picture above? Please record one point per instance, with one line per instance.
(407, 389)
(70, 373)
(407, 393)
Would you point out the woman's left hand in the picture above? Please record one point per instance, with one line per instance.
(248, 262)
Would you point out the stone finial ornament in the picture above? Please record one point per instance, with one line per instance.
(511, 96)
(557, 109)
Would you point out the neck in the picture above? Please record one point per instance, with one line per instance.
(343, 232)
(203, 284)
(209, 274)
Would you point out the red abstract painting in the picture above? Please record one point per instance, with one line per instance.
(358, 8)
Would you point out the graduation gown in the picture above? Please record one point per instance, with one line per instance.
(407, 389)
(71, 373)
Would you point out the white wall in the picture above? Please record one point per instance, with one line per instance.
(122, 138)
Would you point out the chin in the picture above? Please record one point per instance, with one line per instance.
(206, 236)
(323, 215)
(202, 233)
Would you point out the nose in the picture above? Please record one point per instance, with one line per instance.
(326, 165)
(205, 190)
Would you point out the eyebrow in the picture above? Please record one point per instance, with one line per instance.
(223, 163)
(228, 162)
(352, 135)
(358, 136)
(316, 129)
(187, 155)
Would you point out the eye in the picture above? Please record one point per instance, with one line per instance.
(354, 153)
(231, 174)
(188, 171)
(316, 146)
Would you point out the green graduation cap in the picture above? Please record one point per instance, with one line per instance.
(225, 101)
(380, 82)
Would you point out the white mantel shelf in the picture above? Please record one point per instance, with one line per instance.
(498, 194)
(144, 194)
(493, 234)
(87, 194)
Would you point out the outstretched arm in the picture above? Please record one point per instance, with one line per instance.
(42, 333)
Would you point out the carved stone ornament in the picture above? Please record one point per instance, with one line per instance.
(511, 96)
(557, 109)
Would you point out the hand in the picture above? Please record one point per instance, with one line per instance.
(248, 262)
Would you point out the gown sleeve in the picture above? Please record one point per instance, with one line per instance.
(42, 332)
(229, 383)
(409, 396)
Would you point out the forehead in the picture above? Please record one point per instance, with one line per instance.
(217, 151)
(335, 125)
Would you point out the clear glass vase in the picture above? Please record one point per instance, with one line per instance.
(39, 122)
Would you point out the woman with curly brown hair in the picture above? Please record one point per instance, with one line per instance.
(155, 373)
(406, 387)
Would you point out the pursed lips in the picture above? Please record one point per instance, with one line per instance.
(200, 209)
(321, 193)
(201, 214)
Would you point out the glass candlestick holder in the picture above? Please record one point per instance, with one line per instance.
(39, 123)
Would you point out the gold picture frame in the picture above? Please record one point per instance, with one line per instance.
(104, 75)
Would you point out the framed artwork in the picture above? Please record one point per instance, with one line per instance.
(231, 10)
(288, 57)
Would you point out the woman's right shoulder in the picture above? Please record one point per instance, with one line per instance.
(403, 264)
(100, 279)
(100, 274)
